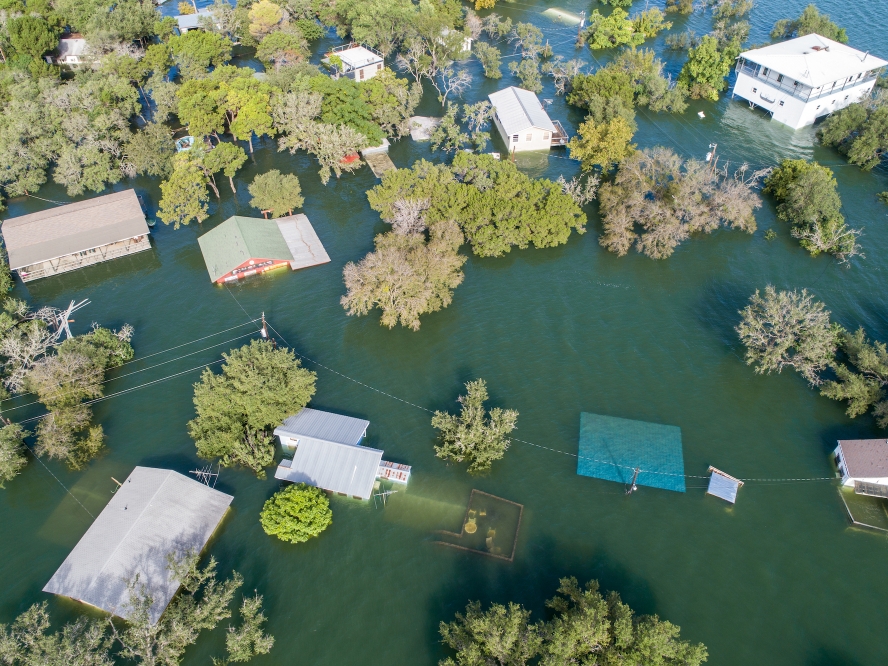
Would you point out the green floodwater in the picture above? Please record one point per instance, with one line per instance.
(554, 332)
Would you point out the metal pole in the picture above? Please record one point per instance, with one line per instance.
(633, 487)
(579, 43)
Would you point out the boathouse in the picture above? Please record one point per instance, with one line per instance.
(244, 246)
(802, 79)
(355, 61)
(153, 513)
(523, 123)
(863, 464)
(69, 237)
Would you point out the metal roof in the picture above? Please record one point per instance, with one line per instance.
(339, 468)
(304, 244)
(865, 458)
(814, 60)
(76, 227)
(325, 426)
(358, 56)
(70, 46)
(519, 109)
(723, 486)
(239, 239)
(153, 513)
(192, 21)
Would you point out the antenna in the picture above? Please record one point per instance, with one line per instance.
(634, 486)
(384, 495)
(206, 475)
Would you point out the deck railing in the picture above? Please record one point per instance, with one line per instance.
(799, 90)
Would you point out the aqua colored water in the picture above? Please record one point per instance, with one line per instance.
(780, 578)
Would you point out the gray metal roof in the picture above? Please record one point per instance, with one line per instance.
(340, 468)
(519, 109)
(76, 227)
(192, 21)
(325, 426)
(153, 513)
(723, 486)
(865, 458)
(303, 242)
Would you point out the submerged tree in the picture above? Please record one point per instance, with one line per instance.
(13, 456)
(184, 194)
(296, 513)
(276, 193)
(499, 635)
(859, 131)
(259, 387)
(810, 21)
(708, 65)
(249, 640)
(602, 144)
(474, 436)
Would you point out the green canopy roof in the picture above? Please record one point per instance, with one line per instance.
(239, 239)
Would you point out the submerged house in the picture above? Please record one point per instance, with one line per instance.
(327, 454)
(69, 237)
(863, 464)
(355, 61)
(523, 123)
(153, 513)
(802, 79)
(244, 246)
(70, 51)
(188, 22)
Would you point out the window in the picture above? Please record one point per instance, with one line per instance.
(779, 78)
(546, 136)
(781, 102)
(765, 71)
(515, 138)
(846, 97)
(378, 67)
(362, 74)
(529, 137)
(755, 90)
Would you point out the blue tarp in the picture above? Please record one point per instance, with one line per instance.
(611, 448)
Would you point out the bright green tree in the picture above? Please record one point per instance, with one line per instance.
(490, 58)
(602, 144)
(184, 194)
(249, 640)
(281, 48)
(810, 21)
(859, 131)
(198, 107)
(528, 70)
(392, 102)
(499, 635)
(259, 387)
(13, 457)
(276, 193)
(227, 158)
(474, 436)
(705, 71)
(617, 29)
(264, 17)
(198, 50)
(296, 513)
(246, 102)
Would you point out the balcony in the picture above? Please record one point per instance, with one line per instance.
(799, 90)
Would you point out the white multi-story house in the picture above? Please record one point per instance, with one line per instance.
(522, 121)
(802, 79)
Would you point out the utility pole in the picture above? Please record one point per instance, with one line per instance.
(710, 156)
(633, 486)
(263, 331)
(579, 43)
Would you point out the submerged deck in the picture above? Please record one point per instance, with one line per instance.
(379, 163)
(559, 136)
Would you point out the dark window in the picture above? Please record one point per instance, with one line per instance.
(755, 90)
(765, 71)
(514, 137)
(781, 103)
(779, 78)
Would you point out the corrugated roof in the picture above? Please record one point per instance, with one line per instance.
(304, 244)
(865, 458)
(339, 468)
(519, 109)
(326, 426)
(192, 21)
(153, 513)
(723, 486)
(76, 227)
(814, 60)
(239, 239)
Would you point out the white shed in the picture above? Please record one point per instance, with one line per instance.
(522, 122)
(863, 464)
(358, 62)
(802, 79)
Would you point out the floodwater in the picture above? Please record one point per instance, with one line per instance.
(779, 578)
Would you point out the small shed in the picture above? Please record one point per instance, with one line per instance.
(153, 513)
(70, 51)
(863, 464)
(244, 246)
(723, 485)
(359, 62)
(523, 123)
(76, 235)
(327, 453)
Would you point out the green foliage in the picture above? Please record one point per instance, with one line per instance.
(32, 35)
(276, 193)
(198, 107)
(381, 24)
(248, 640)
(528, 70)
(26, 642)
(392, 102)
(680, 6)
(808, 198)
(770, 235)
(13, 456)
(198, 50)
(281, 48)
(490, 58)
(810, 21)
(622, 4)
(859, 131)
(264, 17)
(150, 151)
(184, 194)
(259, 387)
(474, 436)
(602, 144)
(587, 628)
(788, 329)
(650, 22)
(310, 30)
(296, 513)
(707, 67)
(227, 158)
(862, 385)
(605, 32)
(344, 104)
(447, 135)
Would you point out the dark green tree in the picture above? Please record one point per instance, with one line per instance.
(184, 194)
(227, 158)
(707, 67)
(810, 21)
(198, 50)
(499, 635)
(249, 640)
(296, 513)
(13, 456)
(32, 35)
(859, 131)
(862, 381)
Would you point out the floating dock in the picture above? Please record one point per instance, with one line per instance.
(379, 163)
(724, 486)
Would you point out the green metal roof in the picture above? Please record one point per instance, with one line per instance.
(239, 239)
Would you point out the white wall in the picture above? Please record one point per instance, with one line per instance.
(539, 139)
(790, 110)
(369, 71)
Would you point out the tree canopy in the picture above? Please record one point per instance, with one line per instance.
(259, 387)
(296, 513)
(859, 131)
(276, 193)
(708, 65)
(810, 21)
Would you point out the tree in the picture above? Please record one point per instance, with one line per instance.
(859, 131)
(150, 151)
(281, 48)
(602, 144)
(184, 194)
(670, 199)
(810, 21)
(528, 70)
(392, 102)
(447, 135)
(680, 6)
(246, 102)
(79, 643)
(198, 50)
(259, 386)
(808, 197)
(499, 635)
(227, 158)
(707, 66)
(297, 513)
(788, 329)
(276, 193)
(264, 17)
(249, 640)
(617, 29)
(473, 436)
(32, 35)
(13, 457)
(490, 59)
(198, 107)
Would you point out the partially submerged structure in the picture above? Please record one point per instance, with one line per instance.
(244, 246)
(863, 465)
(523, 123)
(155, 513)
(490, 527)
(69, 237)
(802, 79)
(70, 51)
(422, 127)
(355, 61)
(723, 486)
(189, 22)
(327, 454)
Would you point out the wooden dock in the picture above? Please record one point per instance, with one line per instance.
(379, 163)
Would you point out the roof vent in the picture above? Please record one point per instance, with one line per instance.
(816, 48)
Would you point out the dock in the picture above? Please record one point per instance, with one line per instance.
(379, 163)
